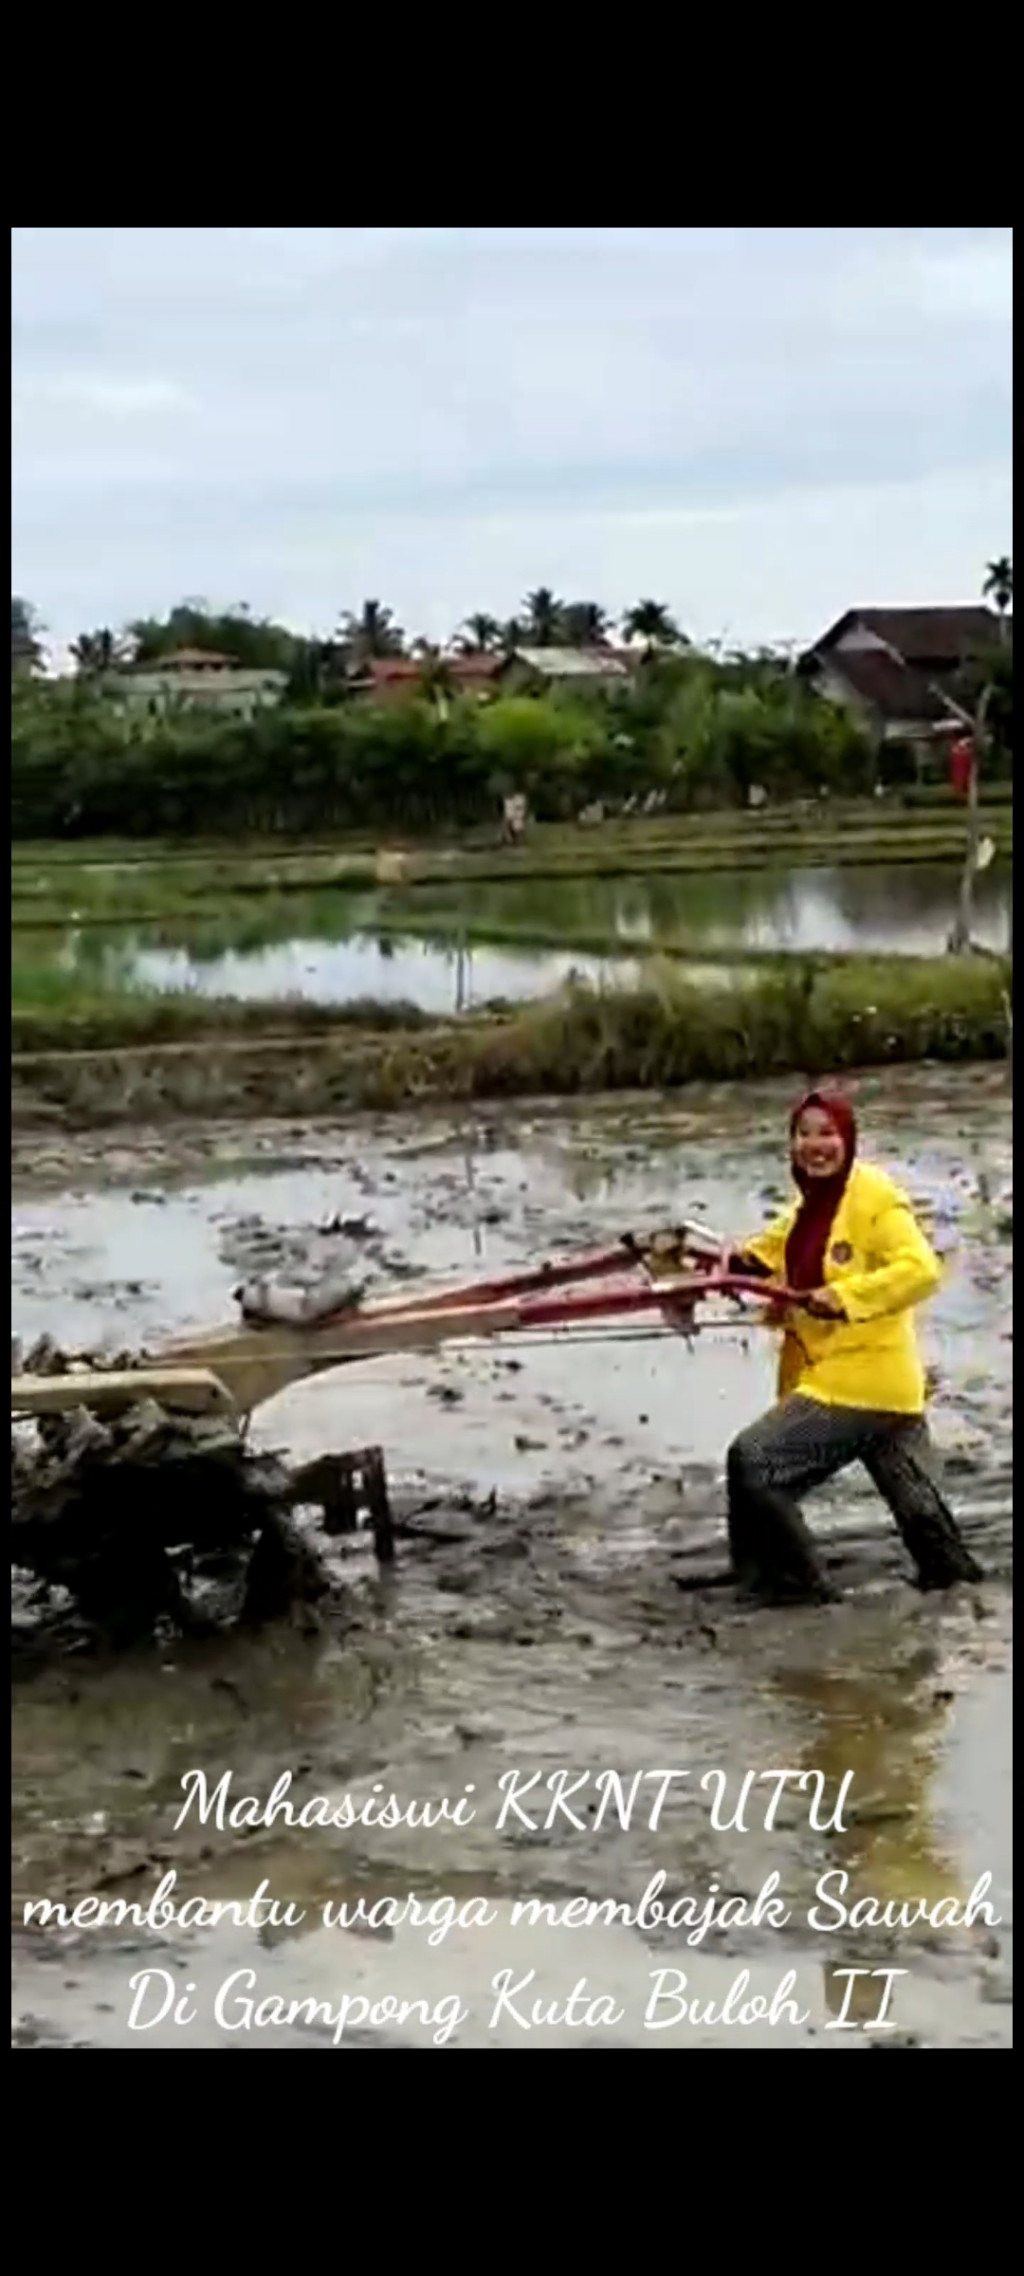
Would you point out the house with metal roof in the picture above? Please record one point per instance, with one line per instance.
(906, 672)
(196, 676)
(586, 669)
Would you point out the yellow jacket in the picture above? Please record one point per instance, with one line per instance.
(879, 1263)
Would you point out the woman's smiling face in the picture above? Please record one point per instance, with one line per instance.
(818, 1149)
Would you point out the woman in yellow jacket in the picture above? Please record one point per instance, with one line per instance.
(851, 1384)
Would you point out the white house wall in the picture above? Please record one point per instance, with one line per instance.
(859, 640)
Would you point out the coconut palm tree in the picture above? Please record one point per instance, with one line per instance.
(513, 634)
(372, 633)
(586, 624)
(317, 672)
(97, 653)
(653, 623)
(435, 672)
(544, 618)
(998, 586)
(480, 635)
(435, 679)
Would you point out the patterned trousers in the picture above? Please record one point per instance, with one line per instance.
(799, 1444)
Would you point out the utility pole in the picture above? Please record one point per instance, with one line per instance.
(960, 937)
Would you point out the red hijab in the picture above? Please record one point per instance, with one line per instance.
(808, 1240)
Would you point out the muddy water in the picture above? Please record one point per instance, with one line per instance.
(559, 1605)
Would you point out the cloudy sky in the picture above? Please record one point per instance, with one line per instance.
(757, 426)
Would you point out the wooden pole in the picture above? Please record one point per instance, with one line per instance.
(961, 935)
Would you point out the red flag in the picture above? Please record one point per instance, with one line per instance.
(961, 765)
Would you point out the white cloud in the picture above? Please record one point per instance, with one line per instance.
(111, 394)
(742, 421)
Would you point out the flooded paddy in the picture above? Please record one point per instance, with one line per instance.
(560, 1604)
(451, 948)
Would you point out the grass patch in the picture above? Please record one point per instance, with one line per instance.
(59, 1011)
(803, 1019)
(110, 883)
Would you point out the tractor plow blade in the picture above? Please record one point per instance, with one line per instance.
(184, 1391)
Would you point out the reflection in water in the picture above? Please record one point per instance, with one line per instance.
(426, 973)
(446, 948)
(885, 1721)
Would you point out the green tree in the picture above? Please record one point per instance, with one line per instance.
(436, 682)
(544, 746)
(998, 585)
(97, 653)
(317, 673)
(481, 634)
(653, 623)
(698, 731)
(372, 633)
(26, 647)
(586, 625)
(253, 643)
(544, 619)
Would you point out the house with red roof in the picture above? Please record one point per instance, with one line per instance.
(393, 679)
